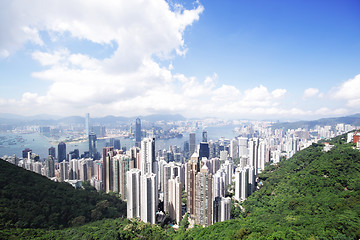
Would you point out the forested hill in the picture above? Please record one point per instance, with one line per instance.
(313, 195)
(29, 200)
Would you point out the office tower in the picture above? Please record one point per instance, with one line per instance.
(147, 154)
(105, 166)
(87, 124)
(133, 193)
(92, 145)
(222, 208)
(186, 150)
(234, 149)
(241, 184)
(75, 154)
(137, 132)
(174, 204)
(102, 131)
(192, 143)
(50, 167)
(204, 197)
(243, 146)
(117, 144)
(52, 152)
(204, 150)
(96, 130)
(192, 168)
(25, 152)
(61, 152)
(204, 136)
(148, 197)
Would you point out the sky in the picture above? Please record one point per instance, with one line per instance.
(245, 59)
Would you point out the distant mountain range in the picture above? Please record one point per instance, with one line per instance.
(352, 120)
(14, 119)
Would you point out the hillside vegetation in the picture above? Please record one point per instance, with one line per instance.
(29, 200)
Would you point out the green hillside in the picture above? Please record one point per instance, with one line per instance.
(313, 195)
(29, 200)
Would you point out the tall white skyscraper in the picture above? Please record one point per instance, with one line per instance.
(133, 193)
(253, 153)
(234, 149)
(148, 197)
(243, 146)
(174, 205)
(241, 184)
(147, 155)
(219, 182)
(87, 124)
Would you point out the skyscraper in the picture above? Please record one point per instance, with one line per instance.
(61, 152)
(204, 150)
(137, 132)
(192, 168)
(133, 193)
(148, 197)
(105, 167)
(192, 143)
(241, 184)
(87, 124)
(174, 204)
(92, 145)
(147, 154)
(204, 197)
(204, 136)
(52, 152)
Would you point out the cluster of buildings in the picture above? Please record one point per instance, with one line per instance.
(201, 179)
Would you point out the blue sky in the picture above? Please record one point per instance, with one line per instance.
(282, 60)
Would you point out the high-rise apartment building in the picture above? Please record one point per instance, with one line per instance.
(148, 197)
(133, 193)
(192, 168)
(204, 197)
(174, 204)
(147, 154)
(192, 143)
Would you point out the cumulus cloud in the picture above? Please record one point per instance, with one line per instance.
(310, 92)
(349, 90)
(128, 81)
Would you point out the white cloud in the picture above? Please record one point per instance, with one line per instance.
(350, 91)
(129, 81)
(310, 92)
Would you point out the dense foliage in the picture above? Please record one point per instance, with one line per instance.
(29, 200)
(105, 229)
(313, 195)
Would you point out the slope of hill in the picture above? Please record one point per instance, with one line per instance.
(29, 200)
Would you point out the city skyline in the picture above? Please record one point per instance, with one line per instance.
(248, 60)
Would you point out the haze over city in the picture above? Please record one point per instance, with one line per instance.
(284, 60)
